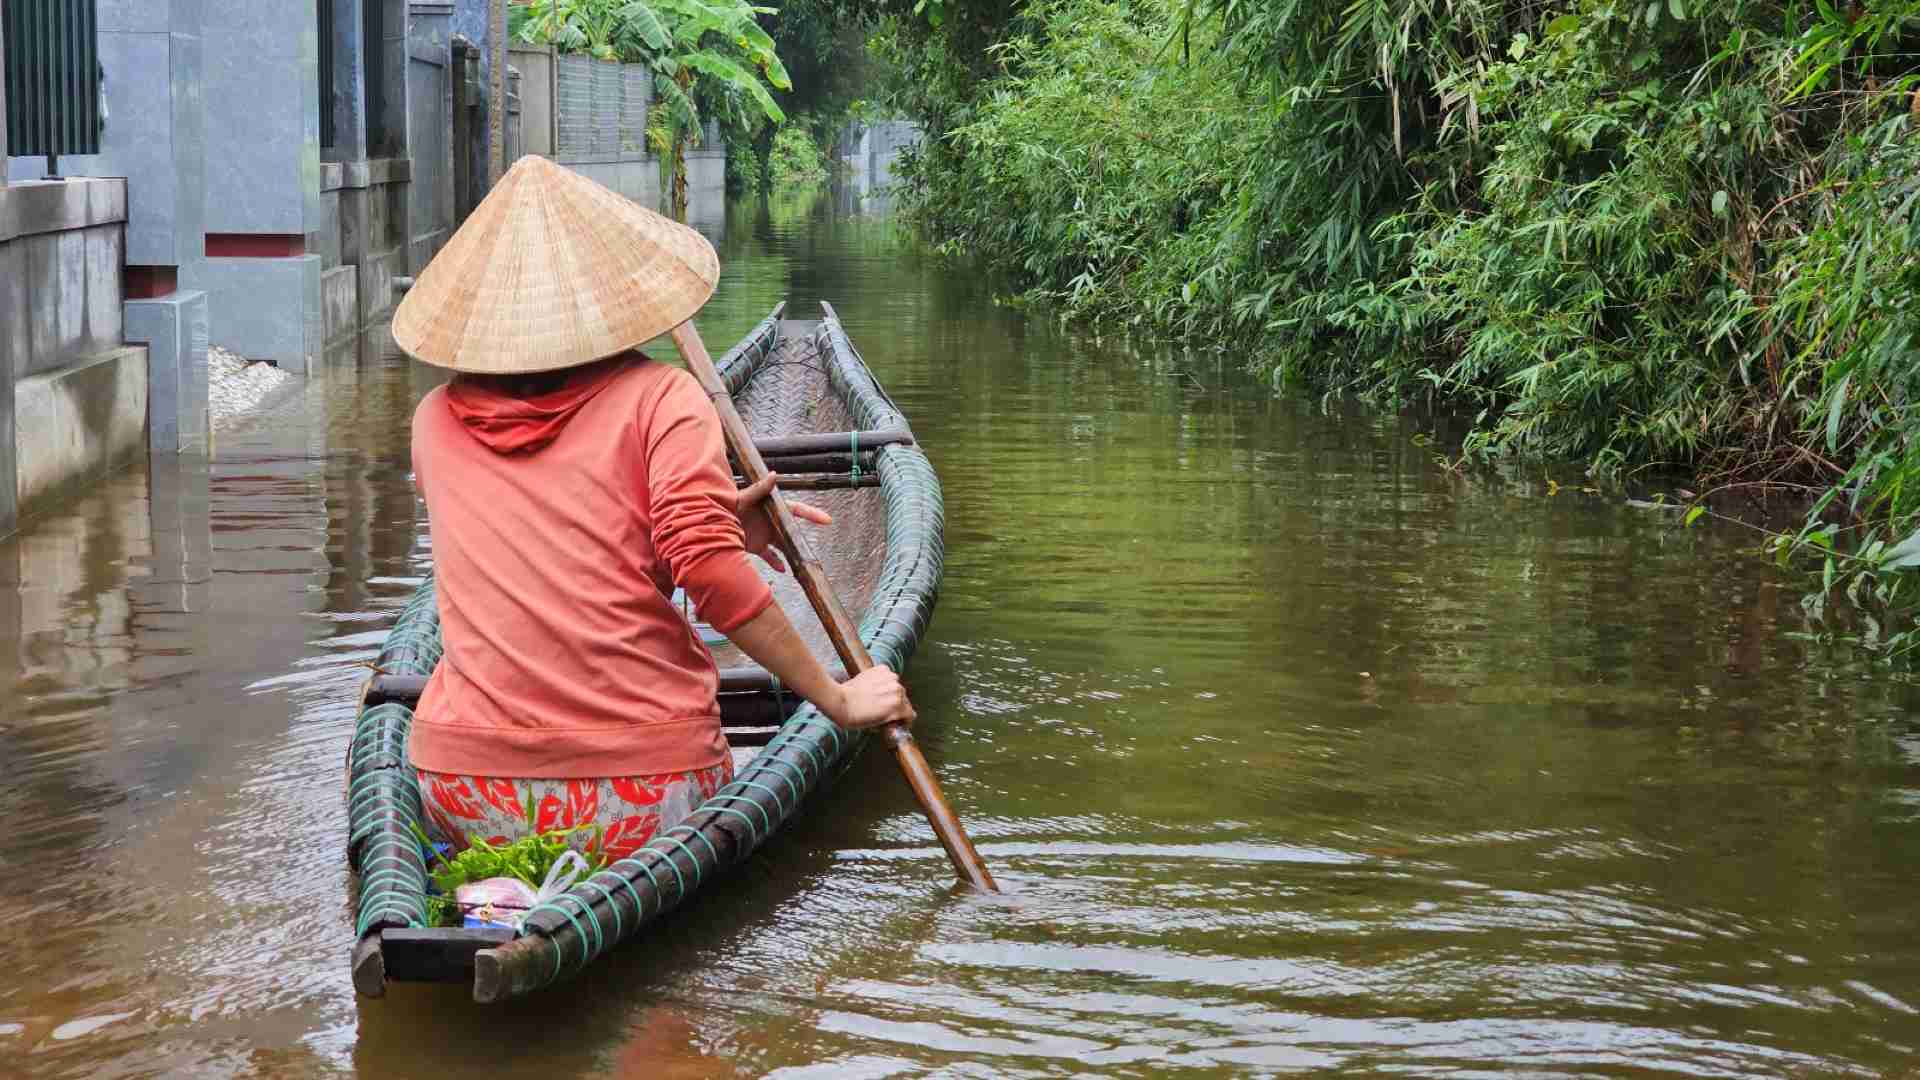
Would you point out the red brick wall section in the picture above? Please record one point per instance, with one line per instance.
(148, 282)
(255, 245)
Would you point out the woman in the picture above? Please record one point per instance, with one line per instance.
(572, 484)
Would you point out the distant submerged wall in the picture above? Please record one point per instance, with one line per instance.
(869, 150)
(591, 116)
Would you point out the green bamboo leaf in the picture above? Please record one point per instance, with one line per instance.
(1812, 80)
(1678, 7)
(1904, 555)
(1834, 408)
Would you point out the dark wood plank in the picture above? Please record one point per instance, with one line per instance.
(821, 442)
(440, 954)
(406, 689)
(821, 481)
(369, 967)
(751, 736)
(825, 461)
(385, 689)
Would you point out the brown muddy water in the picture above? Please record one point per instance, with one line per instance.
(1294, 752)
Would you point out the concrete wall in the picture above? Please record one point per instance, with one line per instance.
(152, 65)
(73, 398)
(60, 278)
(869, 151)
(537, 70)
(347, 105)
(707, 171)
(3, 107)
(74, 423)
(262, 110)
(885, 140)
(429, 131)
(266, 308)
(263, 122)
(596, 121)
(469, 20)
(152, 58)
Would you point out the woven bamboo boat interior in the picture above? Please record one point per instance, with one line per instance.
(883, 553)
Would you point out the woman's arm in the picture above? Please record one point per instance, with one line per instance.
(870, 699)
(874, 698)
(697, 521)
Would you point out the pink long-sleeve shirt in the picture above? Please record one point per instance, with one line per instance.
(561, 525)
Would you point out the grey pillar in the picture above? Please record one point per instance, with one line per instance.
(11, 274)
(349, 104)
(174, 328)
(3, 109)
(515, 138)
(262, 105)
(429, 130)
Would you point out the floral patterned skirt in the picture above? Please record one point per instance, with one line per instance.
(616, 815)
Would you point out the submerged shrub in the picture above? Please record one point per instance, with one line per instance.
(796, 159)
(1640, 233)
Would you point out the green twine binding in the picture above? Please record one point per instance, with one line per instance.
(744, 818)
(691, 858)
(639, 905)
(618, 933)
(855, 439)
(778, 803)
(399, 863)
(585, 908)
(642, 908)
(698, 835)
(667, 859)
(816, 720)
(765, 763)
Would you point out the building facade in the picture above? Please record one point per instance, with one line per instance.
(285, 159)
(265, 170)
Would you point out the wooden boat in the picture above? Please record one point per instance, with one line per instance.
(824, 423)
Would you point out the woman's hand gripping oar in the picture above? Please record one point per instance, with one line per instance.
(840, 628)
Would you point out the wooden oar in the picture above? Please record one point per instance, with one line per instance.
(840, 629)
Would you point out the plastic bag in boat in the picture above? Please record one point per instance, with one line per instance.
(503, 901)
(499, 902)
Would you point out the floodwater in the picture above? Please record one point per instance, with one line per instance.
(1293, 750)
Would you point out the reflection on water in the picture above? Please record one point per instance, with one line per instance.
(1294, 752)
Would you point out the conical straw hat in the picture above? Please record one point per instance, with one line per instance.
(551, 271)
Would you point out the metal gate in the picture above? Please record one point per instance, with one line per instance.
(53, 77)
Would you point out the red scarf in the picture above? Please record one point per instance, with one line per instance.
(506, 423)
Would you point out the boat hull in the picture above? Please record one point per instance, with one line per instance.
(801, 387)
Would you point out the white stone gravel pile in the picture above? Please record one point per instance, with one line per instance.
(236, 386)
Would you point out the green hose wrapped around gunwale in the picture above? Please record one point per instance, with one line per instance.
(384, 814)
